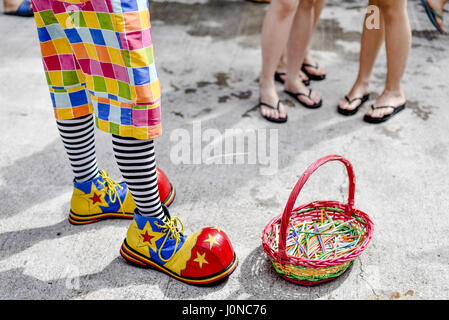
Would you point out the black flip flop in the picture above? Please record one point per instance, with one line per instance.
(278, 78)
(397, 109)
(295, 95)
(347, 112)
(278, 120)
(313, 77)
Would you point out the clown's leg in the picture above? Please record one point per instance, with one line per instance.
(136, 161)
(79, 142)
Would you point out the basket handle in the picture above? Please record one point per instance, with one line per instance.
(282, 254)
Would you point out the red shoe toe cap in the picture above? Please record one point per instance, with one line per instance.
(212, 254)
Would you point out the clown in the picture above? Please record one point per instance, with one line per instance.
(99, 65)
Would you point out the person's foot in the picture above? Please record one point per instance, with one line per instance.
(358, 91)
(312, 67)
(438, 7)
(202, 258)
(388, 98)
(10, 6)
(103, 198)
(268, 95)
(304, 95)
(283, 75)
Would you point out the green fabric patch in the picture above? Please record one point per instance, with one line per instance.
(150, 54)
(124, 90)
(48, 78)
(78, 19)
(127, 58)
(48, 17)
(69, 78)
(99, 84)
(114, 128)
(105, 20)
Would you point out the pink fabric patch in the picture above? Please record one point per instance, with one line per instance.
(100, 6)
(95, 68)
(52, 63)
(87, 6)
(146, 38)
(121, 73)
(134, 40)
(108, 70)
(58, 7)
(145, 118)
(123, 40)
(85, 65)
(67, 62)
(40, 5)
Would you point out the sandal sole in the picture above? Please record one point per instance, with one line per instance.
(385, 118)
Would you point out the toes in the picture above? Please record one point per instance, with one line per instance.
(316, 97)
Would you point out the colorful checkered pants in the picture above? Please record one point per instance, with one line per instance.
(98, 57)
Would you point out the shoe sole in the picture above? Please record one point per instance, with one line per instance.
(79, 219)
(136, 259)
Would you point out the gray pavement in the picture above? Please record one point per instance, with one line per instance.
(208, 58)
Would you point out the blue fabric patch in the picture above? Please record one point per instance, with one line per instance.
(141, 75)
(43, 34)
(97, 37)
(78, 98)
(103, 111)
(73, 36)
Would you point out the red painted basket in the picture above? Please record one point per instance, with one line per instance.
(307, 271)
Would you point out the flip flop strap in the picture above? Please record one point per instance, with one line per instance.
(308, 65)
(436, 14)
(433, 11)
(352, 100)
(270, 106)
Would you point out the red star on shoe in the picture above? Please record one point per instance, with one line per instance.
(147, 237)
(96, 198)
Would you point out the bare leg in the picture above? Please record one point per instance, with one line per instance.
(317, 9)
(372, 40)
(275, 33)
(438, 6)
(282, 68)
(298, 42)
(398, 43)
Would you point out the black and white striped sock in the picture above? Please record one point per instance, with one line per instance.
(79, 142)
(137, 163)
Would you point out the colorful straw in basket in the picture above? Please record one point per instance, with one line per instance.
(318, 241)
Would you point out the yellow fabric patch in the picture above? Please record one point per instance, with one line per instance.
(91, 19)
(116, 56)
(112, 86)
(90, 48)
(56, 78)
(62, 46)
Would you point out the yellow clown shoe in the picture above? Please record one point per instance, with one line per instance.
(100, 198)
(202, 258)
(103, 198)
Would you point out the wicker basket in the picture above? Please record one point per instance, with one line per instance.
(307, 271)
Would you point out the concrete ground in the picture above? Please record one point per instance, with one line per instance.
(208, 58)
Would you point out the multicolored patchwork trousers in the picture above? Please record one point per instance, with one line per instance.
(98, 58)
